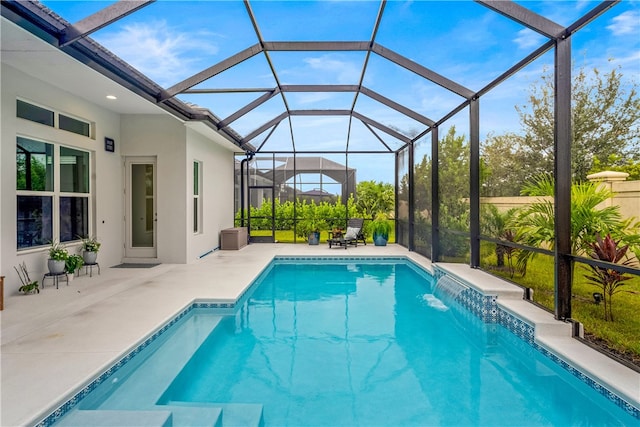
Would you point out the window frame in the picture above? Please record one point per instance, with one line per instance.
(56, 118)
(197, 197)
(56, 194)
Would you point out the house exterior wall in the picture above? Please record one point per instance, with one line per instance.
(165, 138)
(175, 147)
(107, 193)
(216, 193)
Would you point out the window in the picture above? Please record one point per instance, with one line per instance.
(53, 192)
(47, 117)
(35, 113)
(73, 125)
(197, 201)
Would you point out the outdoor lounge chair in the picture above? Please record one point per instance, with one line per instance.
(351, 236)
(359, 224)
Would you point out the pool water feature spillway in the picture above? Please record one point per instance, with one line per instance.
(368, 330)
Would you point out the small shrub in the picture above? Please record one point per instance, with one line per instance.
(608, 280)
(28, 285)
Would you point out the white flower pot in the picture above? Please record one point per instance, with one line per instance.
(89, 257)
(55, 267)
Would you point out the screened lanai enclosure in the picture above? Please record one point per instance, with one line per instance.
(435, 99)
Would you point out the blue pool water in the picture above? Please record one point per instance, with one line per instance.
(342, 344)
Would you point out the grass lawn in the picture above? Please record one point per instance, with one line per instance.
(621, 335)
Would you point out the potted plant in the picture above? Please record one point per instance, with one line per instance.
(57, 256)
(380, 229)
(28, 286)
(309, 228)
(90, 248)
(73, 263)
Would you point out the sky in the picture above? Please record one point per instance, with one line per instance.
(170, 41)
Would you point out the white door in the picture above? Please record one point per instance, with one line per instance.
(141, 216)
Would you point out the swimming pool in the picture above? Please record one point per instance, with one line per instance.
(344, 343)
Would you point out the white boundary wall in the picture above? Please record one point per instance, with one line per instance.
(626, 196)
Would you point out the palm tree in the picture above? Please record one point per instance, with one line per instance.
(535, 223)
(496, 224)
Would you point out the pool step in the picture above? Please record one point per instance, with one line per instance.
(231, 414)
(211, 415)
(241, 415)
(109, 418)
(201, 416)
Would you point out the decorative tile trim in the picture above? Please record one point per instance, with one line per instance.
(281, 259)
(483, 306)
(517, 326)
(214, 305)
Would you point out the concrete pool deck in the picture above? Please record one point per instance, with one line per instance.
(55, 341)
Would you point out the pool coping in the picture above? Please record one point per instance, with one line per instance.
(551, 337)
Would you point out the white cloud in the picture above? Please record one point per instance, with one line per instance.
(158, 51)
(528, 39)
(632, 60)
(626, 23)
(312, 97)
(344, 71)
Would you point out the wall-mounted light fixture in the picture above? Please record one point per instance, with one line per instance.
(109, 145)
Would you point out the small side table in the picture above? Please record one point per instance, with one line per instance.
(90, 268)
(336, 238)
(56, 278)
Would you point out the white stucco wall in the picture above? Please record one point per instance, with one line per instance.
(164, 137)
(216, 193)
(107, 224)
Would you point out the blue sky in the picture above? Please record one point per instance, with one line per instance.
(171, 40)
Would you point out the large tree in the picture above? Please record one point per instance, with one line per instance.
(373, 197)
(506, 165)
(618, 164)
(453, 170)
(605, 126)
(605, 112)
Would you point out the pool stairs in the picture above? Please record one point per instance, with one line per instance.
(222, 415)
(143, 380)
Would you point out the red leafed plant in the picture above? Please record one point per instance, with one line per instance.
(608, 279)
